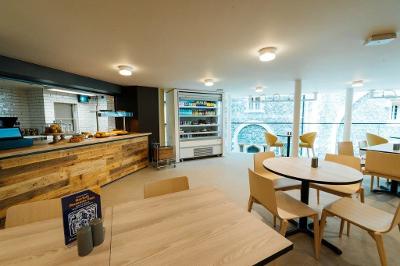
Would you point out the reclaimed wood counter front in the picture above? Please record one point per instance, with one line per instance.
(49, 171)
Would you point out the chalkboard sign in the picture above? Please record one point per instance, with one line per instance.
(78, 210)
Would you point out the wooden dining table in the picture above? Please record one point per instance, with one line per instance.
(198, 226)
(326, 173)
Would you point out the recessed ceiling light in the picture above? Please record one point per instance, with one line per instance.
(357, 84)
(267, 54)
(125, 70)
(259, 89)
(208, 82)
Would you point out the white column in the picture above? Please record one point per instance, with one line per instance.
(348, 110)
(296, 118)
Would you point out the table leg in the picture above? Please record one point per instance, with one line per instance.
(288, 146)
(304, 195)
(303, 222)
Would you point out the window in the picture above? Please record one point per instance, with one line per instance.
(64, 115)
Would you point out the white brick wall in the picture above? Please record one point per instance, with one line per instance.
(85, 112)
(26, 104)
(35, 107)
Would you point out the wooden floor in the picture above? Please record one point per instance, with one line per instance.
(229, 174)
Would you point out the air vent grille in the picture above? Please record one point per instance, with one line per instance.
(200, 152)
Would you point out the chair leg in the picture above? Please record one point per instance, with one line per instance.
(317, 241)
(274, 221)
(348, 229)
(284, 225)
(341, 227)
(377, 181)
(362, 195)
(371, 186)
(318, 196)
(381, 250)
(322, 224)
(250, 204)
(308, 152)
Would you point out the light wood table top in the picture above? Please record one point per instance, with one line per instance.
(300, 169)
(198, 226)
(386, 148)
(42, 243)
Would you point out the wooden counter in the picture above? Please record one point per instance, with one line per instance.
(49, 171)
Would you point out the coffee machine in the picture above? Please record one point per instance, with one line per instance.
(11, 136)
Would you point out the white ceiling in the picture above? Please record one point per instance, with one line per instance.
(176, 44)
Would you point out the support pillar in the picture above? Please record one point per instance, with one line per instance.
(348, 111)
(296, 118)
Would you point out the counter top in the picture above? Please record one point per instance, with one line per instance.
(42, 148)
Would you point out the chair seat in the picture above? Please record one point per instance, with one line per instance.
(340, 190)
(291, 208)
(305, 145)
(277, 144)
(282, 183)
(365, 216)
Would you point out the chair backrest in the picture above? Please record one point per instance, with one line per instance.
(262, 189)
(309, 137)
(33, 212)
(270, 139)
(383, 164)
(259, 158)
(373, 139)
(166, 186)
(350, 161)
(345, 148)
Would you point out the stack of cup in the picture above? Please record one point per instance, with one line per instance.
(90, 236)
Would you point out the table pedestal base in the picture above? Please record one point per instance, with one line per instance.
(310, 233)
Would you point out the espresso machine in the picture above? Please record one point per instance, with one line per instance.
(11, 136)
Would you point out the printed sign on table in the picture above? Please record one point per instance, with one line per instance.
(78, 210)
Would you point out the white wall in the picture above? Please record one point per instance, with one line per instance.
(35, 107)
(85, 112)
(26, 104)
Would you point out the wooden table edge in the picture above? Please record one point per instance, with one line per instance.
(311, 180)
(276, 255)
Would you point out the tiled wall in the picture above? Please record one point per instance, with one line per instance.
(35, 107)
(26, 104)
(85, 112)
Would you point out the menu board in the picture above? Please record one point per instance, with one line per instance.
(78, 210)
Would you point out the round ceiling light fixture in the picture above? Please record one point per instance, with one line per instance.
(208, 82)
(267, 54)
(259, 89)
(357, 83)
(125, 70)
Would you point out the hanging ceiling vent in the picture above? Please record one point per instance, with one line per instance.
(380, 39)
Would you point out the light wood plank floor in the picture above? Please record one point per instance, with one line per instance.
(229, 174)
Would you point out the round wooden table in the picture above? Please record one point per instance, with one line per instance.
(327, 173)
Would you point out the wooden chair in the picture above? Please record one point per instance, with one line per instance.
(376, 222)
(342, 190)
(272, 141)
(281, 205)
(280, 183)
(166, 186)
(36, 211)
(373, 139)
(307, 141)
(382, 164)
(345, 148)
